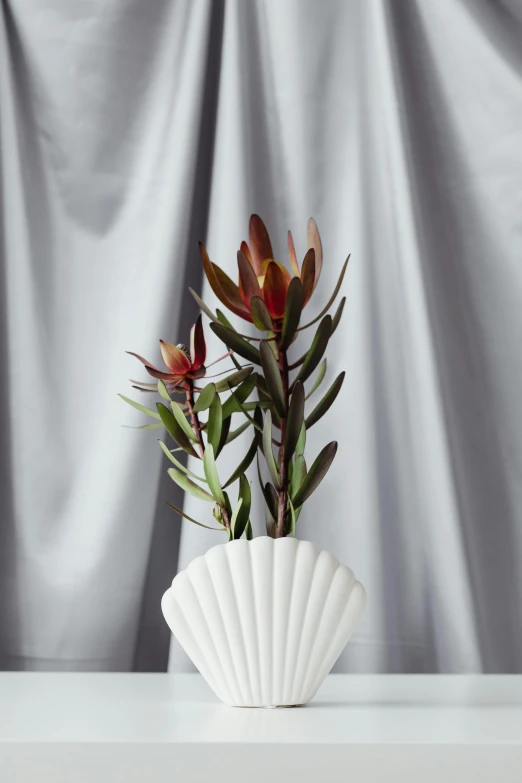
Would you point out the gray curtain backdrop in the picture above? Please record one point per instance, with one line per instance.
(132, 128)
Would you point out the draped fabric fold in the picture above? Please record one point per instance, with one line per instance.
(131, 130)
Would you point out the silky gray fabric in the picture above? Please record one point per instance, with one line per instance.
(130, 130)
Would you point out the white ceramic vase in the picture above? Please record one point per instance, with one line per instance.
(264, 620)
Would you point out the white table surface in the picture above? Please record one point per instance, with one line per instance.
(157, 727)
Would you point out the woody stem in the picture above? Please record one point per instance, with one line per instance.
(283, 472)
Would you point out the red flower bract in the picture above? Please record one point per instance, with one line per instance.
(260, 275)
(182, 364)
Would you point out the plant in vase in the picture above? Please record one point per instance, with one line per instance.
(264, 619)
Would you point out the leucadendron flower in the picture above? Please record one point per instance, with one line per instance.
(260, 275)
(182, 364)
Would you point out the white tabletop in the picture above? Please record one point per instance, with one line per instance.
(132, 727)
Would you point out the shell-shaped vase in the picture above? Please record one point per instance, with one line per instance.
(264, 620)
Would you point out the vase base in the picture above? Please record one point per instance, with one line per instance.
(267, 706)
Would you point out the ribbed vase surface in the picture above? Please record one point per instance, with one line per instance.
(264, 620)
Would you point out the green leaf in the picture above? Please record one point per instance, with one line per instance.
(260, 315)
(233, 380)
(236, 343)
(243, 514)
(249, 533)
(162, 389)
(293, 308)
(301, 443)
(202, 305)
(204, 400)
(269, 493)
(224, 320)
(338, 314)
(227, 504)
(176, 462)
(175, 430)
(188, 485)
(190, 519)
(225, 429)
(299, 473)
(272, 377)
(215, 423)
(321, 408)
(233, 519)
(139, 407)
(295, 420)
(319, 378)
(245, 408)
(237, 432)
(331, 300)
(317, 349)
(182, 421)
(267, 449)
(271, 499)
(292, 517)
(316, 474)
(244, 464)
(241, 394)
(209, 466)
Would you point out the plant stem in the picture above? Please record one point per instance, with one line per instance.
(194, 417)
(200, 444)
(283, 473)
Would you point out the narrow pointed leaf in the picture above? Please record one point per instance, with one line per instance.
(249, 532)
(175, 430)
(271, 499)
(234, 517)
(294, 421)
(308, 273)
(222, 319)
(293, 308)
(162, 389)
(240, 395)
(248, 282)
(234, 379)
(331, 300)
(190, 486)
(301, 443)
(204, 400)
(209, 466)
(317, 349)
(237, 432)
(236, 343)
(203, 306)
(267, 449)
(260, 315)
(215, 423)
(244, 464)
(319, 378)
(338, 314)
(299, 473)
(316, 474)
(269, 493)
(139, 407)
(190, 519)
(225, 429)
(182, 421)
(250, 406)
(272, 377)
(176, 462)
(321, 408)
(292, 518)
(244, 511)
